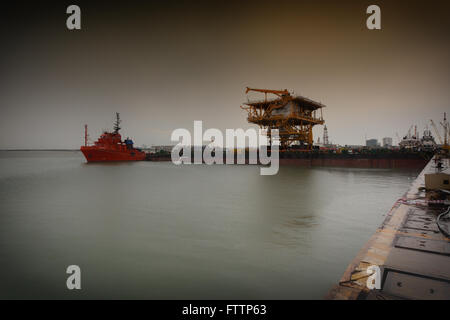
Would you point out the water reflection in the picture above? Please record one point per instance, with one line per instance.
(155, 230)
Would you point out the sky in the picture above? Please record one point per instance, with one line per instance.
(164, 64)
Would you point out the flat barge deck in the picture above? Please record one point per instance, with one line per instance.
(382, 160)
(413, 256)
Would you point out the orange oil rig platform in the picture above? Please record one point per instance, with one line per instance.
(293, 116)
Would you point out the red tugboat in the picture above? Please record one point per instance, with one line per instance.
(110, 147)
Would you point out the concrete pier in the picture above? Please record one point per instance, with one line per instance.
(413, 256)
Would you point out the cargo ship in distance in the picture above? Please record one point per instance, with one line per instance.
(110, 147)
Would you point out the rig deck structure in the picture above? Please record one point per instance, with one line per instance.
(293, 116)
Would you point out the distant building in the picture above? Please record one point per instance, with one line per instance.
(387, 142)
(373, 143)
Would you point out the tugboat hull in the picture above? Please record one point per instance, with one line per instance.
(94, 154)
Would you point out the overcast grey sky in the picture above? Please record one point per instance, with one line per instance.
(164, 64)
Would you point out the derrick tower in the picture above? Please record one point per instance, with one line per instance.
(293, 116)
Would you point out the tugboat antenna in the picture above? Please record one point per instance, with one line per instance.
(117, 123)
(86, 136)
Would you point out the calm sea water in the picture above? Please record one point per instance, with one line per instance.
(156, 230)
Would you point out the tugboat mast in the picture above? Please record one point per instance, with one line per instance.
(117, 123)
(86, 136)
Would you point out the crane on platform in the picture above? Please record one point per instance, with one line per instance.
(279, 93)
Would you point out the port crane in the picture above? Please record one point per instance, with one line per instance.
(446, 126)
(398, 138)
(408, 135)
(436, 130)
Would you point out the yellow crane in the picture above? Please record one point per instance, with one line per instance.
(279, 93)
